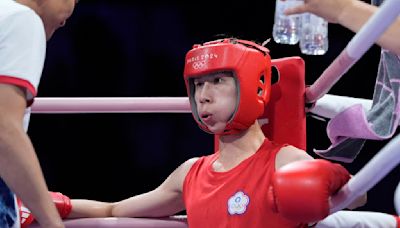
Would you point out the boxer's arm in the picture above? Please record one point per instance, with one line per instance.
(82, 208)
(19, 166)
(165, 200)
(288, 154)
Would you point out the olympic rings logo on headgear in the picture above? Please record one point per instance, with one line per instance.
(199, 65)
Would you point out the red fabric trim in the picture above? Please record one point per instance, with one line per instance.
(397, 220)
(21, 83)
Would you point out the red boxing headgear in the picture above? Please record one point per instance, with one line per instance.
(250, 64)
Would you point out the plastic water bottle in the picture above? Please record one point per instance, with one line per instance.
(286, 29)
(313, 35)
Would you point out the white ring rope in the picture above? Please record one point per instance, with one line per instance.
(111, 105)
(397, 199)
(357, 47)
(375, 170)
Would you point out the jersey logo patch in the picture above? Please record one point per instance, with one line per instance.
(237, 204)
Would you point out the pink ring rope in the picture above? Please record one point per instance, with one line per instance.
(112, 105)
(171, 222)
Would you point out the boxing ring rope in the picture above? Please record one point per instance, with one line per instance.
(356, 48)
(377, 168)
(111, 105)
(110, 222)
(397, 199)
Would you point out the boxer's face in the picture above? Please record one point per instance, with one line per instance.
(54, 14)
(215, 97)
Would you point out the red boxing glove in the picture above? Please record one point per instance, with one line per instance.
(62, 203)
(300, 191)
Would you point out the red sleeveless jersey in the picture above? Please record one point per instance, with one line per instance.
(236, 198)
